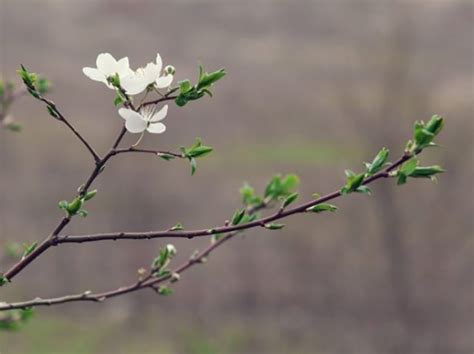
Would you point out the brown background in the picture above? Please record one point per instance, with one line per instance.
(313, 87)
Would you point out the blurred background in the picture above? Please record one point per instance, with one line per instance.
(314, 87)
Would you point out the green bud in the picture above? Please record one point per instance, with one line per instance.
(378, 162)
(426, 172)
(318, 208)
(273, 226)
(164, 290)
(177, 227)
(290, 199)
(89, 195)
(238, 216)
(169, 70)
(184, 86)
(74, 206)
(353, 182)
(83, 213)
(3, 280)
(435, 124)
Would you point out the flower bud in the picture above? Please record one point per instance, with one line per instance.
(171, 249)
(169, 70)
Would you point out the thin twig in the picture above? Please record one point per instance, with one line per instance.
(221, 229)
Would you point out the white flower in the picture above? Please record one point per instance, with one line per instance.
(148, 119)
(107, 66)
(139, 80)
(171, 249)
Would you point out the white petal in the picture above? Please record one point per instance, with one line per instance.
(159, 62)
(127, 113)
(151, 72)
(156, 128)
(164, 81)
(160, 114)
(94, 74)
(133, 85)
(106, 63)
(123, 67)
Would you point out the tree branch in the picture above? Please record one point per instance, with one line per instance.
(221, 229)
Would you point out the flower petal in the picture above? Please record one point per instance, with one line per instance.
(159, 62)
(151, 72)
(164, 81)
(127, 113)
(94, 74)
(133, 85)
(123, 67)
(106, 63)
(160, 114)
(156, 128)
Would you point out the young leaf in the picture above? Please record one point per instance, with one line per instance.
(318, 208)
(364, 190)
(426, 172)
(90, 195)
(273, 226)
(29, 249)
(290, 199)
(164, 290)
(378, 162)
(409, 166)
(238, 216)
(177, 227)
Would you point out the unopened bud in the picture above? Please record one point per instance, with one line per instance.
(169, 70)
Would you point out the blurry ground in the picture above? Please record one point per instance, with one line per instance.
(313, 87)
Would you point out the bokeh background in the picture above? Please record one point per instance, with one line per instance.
(314, 87)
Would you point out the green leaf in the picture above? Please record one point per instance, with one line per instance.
(119, 99)
(193, 164)
(409, 166)
(13, 126)
(184, 86)
(83, 213)
(199, 151)
(402, 178)
(74, 206)
(273, 226)
(29, 249)
(3, 280)
(378, 162)
(353, 182)
(247, 193)
(426, 172)
(290, 182)
(238, 216)
(290, 199)
(364, 190)
(181, 100)
(13, 249)
(43, 85)
(208, 79)
(435, 124)
(318, 208)
(90, 195)
(166, 156)
(27, 77)
(177, 227)
(63, 204)
(52, 112)
(164, 290)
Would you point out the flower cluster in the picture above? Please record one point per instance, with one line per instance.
(117, 73)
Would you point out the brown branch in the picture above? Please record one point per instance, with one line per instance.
(280, 214)
(149, 281)
(167, 97)
(63, 119)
